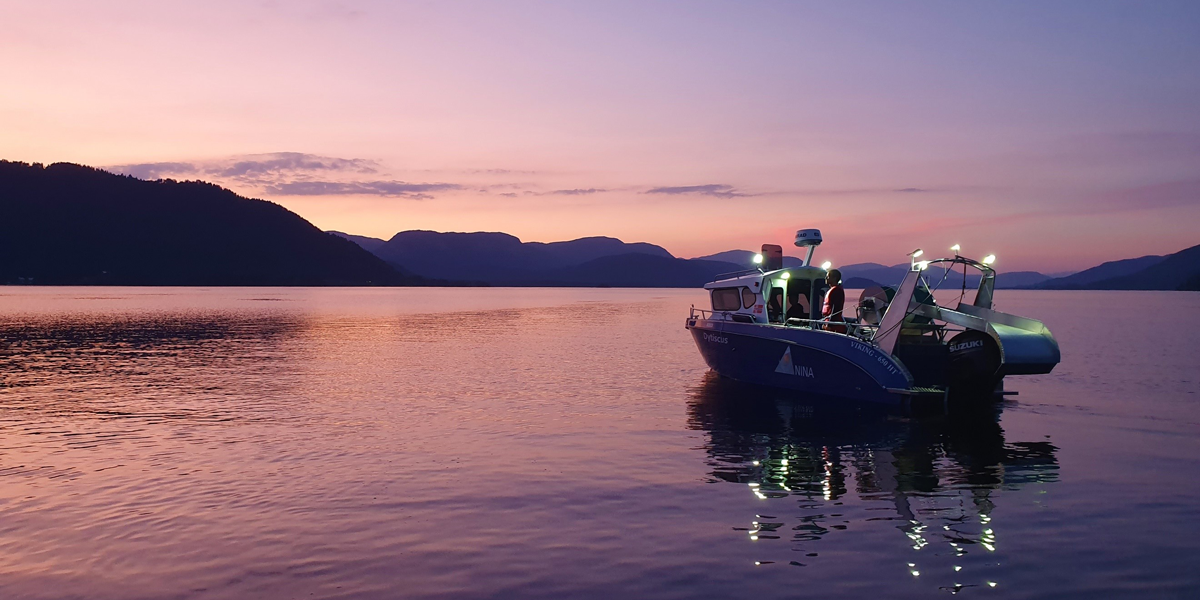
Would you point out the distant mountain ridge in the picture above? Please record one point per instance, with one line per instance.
(1108, 270)
(746, 257)
(1178, 271)
(1175, 271)
(503, 259)
(67, 224)
(640, 270)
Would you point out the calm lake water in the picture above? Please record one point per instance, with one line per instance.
(553, 443)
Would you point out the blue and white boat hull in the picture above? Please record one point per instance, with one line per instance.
(801, 359)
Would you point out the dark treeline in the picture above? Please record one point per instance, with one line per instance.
(67, 224)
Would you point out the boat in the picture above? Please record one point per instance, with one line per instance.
(764, 327)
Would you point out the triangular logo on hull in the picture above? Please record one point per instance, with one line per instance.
(787, 366)
(785, 363)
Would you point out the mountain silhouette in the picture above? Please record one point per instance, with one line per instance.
(369, 244)
(1109, 270)
(642, 270)
(1176, 271)
(745, 259)
(67, 224)
(503, 259)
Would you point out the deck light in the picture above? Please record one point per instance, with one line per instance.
(955, 248)
(825, 265)
(758, 259)
(922, 265)
(989, 259)
(917, 253)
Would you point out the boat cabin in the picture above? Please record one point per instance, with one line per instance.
(770, 294)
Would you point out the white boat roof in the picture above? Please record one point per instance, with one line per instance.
(745, 278)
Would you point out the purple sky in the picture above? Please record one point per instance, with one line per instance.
(1056, 135)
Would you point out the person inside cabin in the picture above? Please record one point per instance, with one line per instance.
(798, 305)
(775, 305)
(835, 302)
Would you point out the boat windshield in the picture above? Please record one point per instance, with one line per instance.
(799, 295)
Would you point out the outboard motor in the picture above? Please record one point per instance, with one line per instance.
(974, 368)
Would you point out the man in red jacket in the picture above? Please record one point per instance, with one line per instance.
(835, 301)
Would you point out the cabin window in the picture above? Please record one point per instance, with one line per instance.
(797, 288)
(726, 299)
(775, 305)
(748, 298)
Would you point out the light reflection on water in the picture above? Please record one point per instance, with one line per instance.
(531, 443)
(824, 469)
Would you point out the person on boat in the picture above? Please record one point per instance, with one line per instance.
(775, 305)
(835, 302)
(798, 306)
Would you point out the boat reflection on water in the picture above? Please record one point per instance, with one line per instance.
(840, 477)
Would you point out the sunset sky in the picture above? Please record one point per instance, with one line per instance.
(1056, 135)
